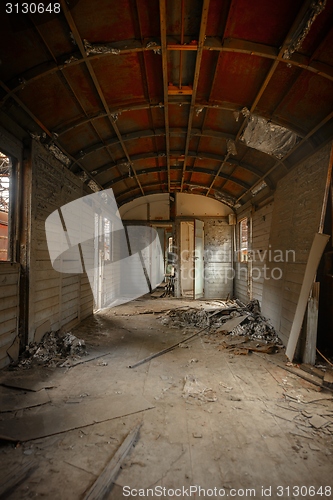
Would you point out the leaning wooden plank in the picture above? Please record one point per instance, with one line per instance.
(103, 483)
(14, 476)
(317, 248)
(50, 421)
(311, 326)
(326, 194)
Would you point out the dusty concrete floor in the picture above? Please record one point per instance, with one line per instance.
(256, 434)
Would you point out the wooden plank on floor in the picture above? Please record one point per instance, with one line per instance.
(12, 400)
(15, 476)
(50, 421)
(103, 484)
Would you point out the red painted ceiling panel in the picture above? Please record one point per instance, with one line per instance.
(106, 22)
(83, 88)
(20, 48)
(207, 72)
(279, 85)
(298, 103)
(120, 78)
(52, 104)
(133, 121)
(239, 77)
(261, 21)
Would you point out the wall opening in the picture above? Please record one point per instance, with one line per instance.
(5, 206)
(243, 240)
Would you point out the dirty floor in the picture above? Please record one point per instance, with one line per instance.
(209, 418)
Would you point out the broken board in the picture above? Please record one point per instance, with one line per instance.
(328, 379)
(34, 380)
(11, 400)
(230, 324)
(54, 420)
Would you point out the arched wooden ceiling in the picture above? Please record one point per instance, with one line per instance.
(146, 96)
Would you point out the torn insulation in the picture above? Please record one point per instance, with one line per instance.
(268, 137)
(98, 48)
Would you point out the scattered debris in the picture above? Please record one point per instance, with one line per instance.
(197, 390)
(317, 421)
(234, 318)
(186, 316)
(102, 363)
(53, 350)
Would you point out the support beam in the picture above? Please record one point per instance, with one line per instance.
(165, 84)
(48, 133)
(202, 34)
(93, 76)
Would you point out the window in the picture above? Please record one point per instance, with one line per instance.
(107, 230)
(243, 240)
(5, 174)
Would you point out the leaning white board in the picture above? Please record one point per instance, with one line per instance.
(316, 251)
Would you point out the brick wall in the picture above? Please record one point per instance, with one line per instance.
(295, 220)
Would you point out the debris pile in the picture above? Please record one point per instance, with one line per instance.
(234, 319)
(182, 317)
(255, 326)
(53, 350)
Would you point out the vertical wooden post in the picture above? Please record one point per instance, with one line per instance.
(311, 326)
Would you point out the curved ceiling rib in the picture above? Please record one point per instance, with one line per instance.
(134, 194)
(177, 154)
(135, 119)
(192, 169)
(231, 45)
(92, 74)
(51, 136)
(266, 81)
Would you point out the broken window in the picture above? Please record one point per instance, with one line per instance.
(5, 180)
(243, 240)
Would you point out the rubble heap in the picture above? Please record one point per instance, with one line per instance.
(256, 326)
(253, 324)
(53, 350)
(182, 317)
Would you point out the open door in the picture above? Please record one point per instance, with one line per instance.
(198, 259)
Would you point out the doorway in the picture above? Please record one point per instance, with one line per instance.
(192, 259)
